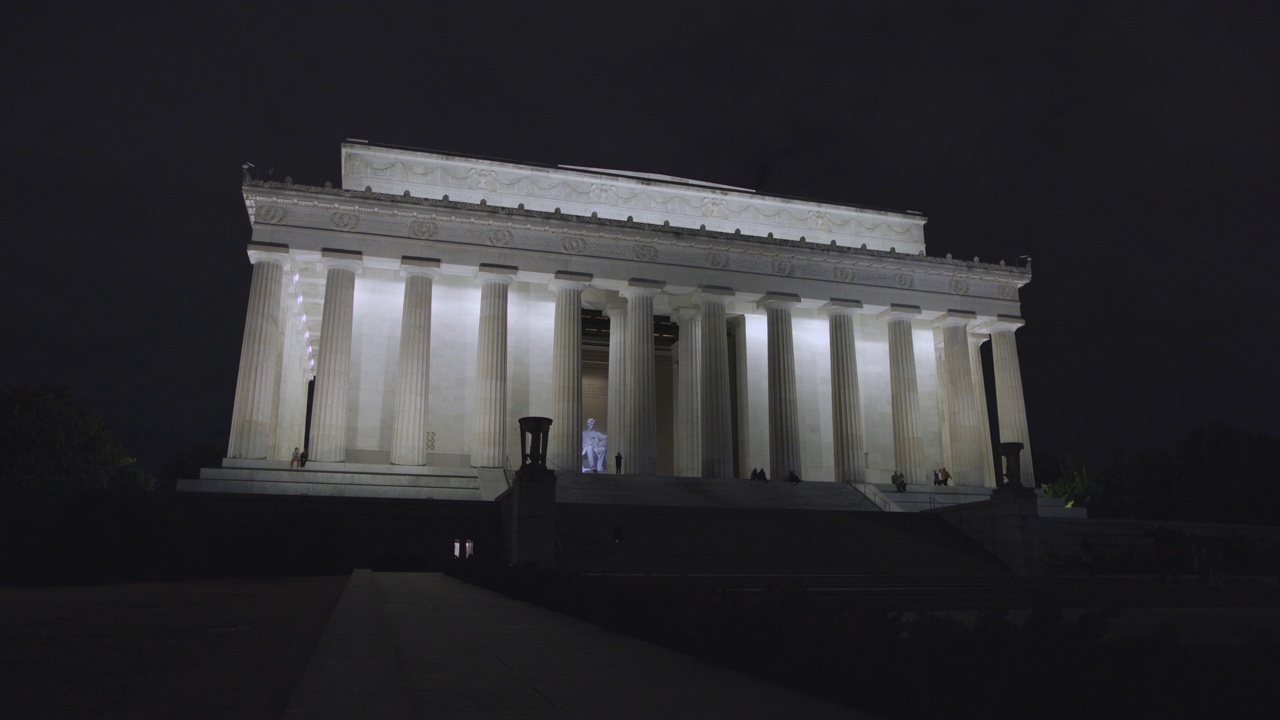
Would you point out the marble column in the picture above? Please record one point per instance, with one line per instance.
(409, 429)
(716, 423)
(961, 404)
(688, 437)
(846, 407)
(333, 368)
(908, 443)
(987, 455)
(565, 452)
(640, 451)
(616, 426)
(1011, 407)
(784, 412)
(259, 355)
(488, 432)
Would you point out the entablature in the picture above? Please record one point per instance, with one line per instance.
(387, 227)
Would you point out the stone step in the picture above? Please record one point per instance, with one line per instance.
(307, 475)
(357, 468)
(293, 486)
(706, 492)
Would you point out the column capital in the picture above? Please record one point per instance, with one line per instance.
(568, 280)
(977, 338)
(639, 287)
(488, 273)
(714, 293)
(955, 317)
(419, 266)
(342, 259)
(841, 306)
(268, 251)
(900, 312)
(778, 300)
(685, 313)
(1003, 322)
(615, 309)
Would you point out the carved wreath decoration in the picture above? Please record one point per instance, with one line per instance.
(959, 286)
(423, 230)
(271, 214)
(344, 221)
(785, 268)
(644, 253)
(500, 238)
(905, 281)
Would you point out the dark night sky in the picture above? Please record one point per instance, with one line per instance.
(1131, 150)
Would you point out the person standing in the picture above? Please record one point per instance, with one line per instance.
(617, 463)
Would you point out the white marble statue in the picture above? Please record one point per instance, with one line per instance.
(593, 448)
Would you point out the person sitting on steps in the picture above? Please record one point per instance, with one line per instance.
(899, 481)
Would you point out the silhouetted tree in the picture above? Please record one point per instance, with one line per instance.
(48, 443)
(1214, 473)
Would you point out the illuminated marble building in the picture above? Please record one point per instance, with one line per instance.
(413, 315)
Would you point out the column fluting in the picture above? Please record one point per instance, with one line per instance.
(985, 448)
(784, 413)
(616, 423)
(565, 452)
(333, 369)
(688, 436)
(846, 406)
(409, 429)
(640, 453)
(488, 434)
(259, 356)
(716, 423)
(908, 444)
(1011, 406)
(961, 405)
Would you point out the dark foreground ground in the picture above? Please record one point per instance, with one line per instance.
(199, 649)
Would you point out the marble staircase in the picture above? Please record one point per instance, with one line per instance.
(918, 498)
(276, 477)
(706, 492)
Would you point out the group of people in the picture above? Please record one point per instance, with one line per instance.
(299, 459)
(940, 477)
(758, 475)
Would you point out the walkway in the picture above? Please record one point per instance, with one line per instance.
(423, 645)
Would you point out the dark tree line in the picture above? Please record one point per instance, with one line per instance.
(1215, 473)
(48, 443)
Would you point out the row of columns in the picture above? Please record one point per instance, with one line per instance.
(703, 409)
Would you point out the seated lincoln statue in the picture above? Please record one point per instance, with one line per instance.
(593, 448)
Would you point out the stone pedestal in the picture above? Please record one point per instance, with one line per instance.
(529, 508)
(329, 409)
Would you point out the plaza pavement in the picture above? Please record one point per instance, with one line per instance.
(424, 645)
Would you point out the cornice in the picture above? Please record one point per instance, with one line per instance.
(413, 218)
(583, 192)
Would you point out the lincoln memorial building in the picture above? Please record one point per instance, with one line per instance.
(399, 326)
